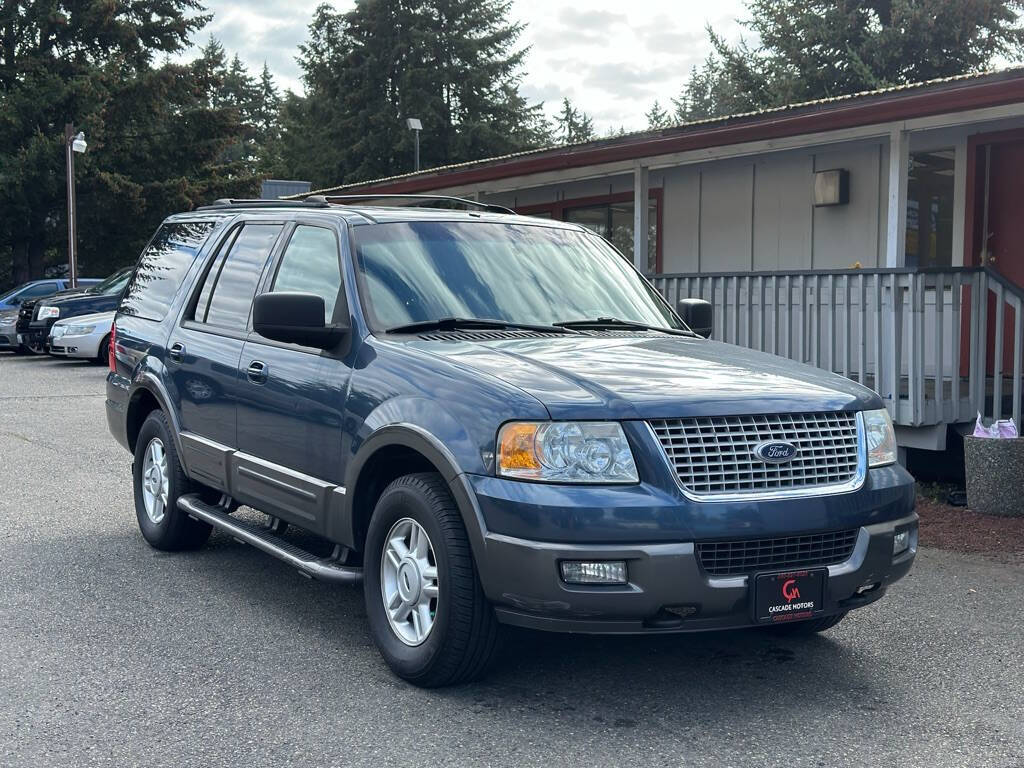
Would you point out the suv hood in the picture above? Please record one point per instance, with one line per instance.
(652, 375)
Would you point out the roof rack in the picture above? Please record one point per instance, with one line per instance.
(313, 201)
(418, 201)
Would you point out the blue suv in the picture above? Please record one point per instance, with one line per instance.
(488, 419)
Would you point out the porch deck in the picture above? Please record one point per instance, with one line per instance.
(939, 345)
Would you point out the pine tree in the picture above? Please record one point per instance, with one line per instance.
(451, 63)
(811, 49)
(153, 139)
(657, 117)
(573, 125)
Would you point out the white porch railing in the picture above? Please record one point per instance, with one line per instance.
(916, 337)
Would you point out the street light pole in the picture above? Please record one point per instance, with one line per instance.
(415, 125)
(73, 142)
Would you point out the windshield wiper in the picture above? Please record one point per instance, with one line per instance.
(469, 323)
(598, 323)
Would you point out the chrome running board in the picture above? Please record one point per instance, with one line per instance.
(308, 564)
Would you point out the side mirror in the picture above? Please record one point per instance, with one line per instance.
(295, 318)
(699, 315)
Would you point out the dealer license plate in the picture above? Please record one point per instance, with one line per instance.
(790, 595)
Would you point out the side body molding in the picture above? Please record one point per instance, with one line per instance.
(292, 496)
(320, 507)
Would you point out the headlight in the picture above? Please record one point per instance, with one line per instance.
(566, 452)
(58, 330)
(11, 320)
(79, 330)
(881, 438)
(47, 312)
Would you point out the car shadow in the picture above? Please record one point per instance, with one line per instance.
(620, 681)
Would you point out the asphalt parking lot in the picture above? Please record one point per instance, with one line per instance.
(114, 654)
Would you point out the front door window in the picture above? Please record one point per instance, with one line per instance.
(930, 209)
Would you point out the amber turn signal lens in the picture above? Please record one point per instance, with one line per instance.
(516, 447)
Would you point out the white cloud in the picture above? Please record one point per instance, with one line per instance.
(611, 58)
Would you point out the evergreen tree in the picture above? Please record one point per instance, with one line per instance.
(573, 125)
(264, 119)
(657, 117)
(153, 141)
(451, 63)
(810, 49)
(709, 93)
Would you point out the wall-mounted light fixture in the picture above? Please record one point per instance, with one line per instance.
(832, 187)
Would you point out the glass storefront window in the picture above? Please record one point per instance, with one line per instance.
(930, 209)
(614, 221)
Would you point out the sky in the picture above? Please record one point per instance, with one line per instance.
(612, 59)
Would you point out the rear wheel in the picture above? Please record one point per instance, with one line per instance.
(159, 481)
(809, 627)
(427, 611)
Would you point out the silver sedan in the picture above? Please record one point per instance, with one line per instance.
(85, 336)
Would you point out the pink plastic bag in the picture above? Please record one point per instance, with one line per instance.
(1004, 428)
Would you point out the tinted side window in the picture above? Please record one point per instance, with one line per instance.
(203, 304)
(311, 265)
(239, 275)
(34, 291)
(162, 267)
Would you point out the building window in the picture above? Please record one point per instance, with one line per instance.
(612, 218)
(614, 222)
(930, 209)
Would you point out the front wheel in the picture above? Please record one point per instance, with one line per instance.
(103, 353)
(159, 481)
(427, 611)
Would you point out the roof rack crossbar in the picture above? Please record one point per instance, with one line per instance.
(419, 201)
(313, 201)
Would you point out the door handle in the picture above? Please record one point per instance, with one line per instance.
(176, 352)
(257, 372)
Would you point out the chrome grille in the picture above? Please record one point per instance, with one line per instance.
(715, 454)
(739, 557)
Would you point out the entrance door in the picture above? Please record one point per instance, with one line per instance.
(1003, 247)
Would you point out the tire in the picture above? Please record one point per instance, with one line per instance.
(171, 530)
(103, 353)
(808, 627)
(462, 639)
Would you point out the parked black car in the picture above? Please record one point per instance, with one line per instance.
(35, 318)
(11, 301)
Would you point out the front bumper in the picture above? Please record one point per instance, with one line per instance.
(34, 336)
(668, 591)
(9, 339)
(65, 345)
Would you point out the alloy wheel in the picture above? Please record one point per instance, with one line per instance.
(155, 481)
(408, 581)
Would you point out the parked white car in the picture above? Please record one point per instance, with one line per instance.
(85, 336)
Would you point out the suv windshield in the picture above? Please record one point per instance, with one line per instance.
(112, 284)
(414, 272)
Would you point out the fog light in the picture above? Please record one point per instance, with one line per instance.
(900, 542)
(581, 572)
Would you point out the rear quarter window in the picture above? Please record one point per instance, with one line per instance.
(162, 267)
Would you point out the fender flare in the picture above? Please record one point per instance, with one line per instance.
(420, 440)
(146, 381)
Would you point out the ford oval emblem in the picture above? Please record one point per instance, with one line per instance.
(775, 452)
